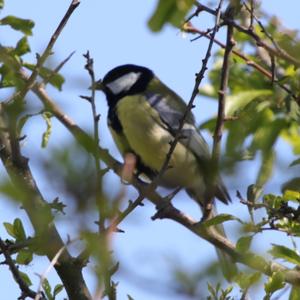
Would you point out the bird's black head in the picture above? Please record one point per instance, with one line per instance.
(125, 80)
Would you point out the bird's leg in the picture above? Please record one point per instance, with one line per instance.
(207, 211)
(207, 208)
(129, 166)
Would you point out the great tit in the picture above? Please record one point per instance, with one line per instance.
(143, 117)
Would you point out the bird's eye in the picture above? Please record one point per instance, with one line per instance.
(123, 83)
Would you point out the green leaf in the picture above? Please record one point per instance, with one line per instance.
(238, 101)
(23, 25)
(24, 257)
(47, 289)
(22, 47)
(9, 229)
(57, 289)
(275, 282)
(169, 11)
(273, 201)
(19, 230)
(251, 227)
(1, 4)
(293, 184)
(221, 218)
(243, 244)
(21, 122)
(46, 135)
(48, 75)
(10, 68)
(266, 168)
(26, 278)
(266, 135)
(295, 162)
(295, 293)
(209, 125)
(291, 195)
(254, 192)
(291, 189)
(285, 253)
(211, 290)
(292, 136)
(245, 280)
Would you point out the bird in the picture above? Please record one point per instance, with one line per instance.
(144, 116)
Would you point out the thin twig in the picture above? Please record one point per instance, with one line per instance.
(26, 291)
(219, 123)
(222, 94)
(262, 27)
(251, 11)
(57, 69)
(280, 53)
(100, 200)
(190, 105)
(96, 117)
(291, 276)
(12, 248)
(132, 205)
(191, 29)
(53, 262)
(47, 52)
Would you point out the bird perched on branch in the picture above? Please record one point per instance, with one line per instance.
(144, 116)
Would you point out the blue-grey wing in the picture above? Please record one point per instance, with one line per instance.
(171, 117)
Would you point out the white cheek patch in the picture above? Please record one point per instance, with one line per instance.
(123, 83)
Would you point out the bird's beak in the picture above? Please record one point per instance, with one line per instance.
(98, 85)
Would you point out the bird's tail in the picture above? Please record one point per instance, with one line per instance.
(227, 264)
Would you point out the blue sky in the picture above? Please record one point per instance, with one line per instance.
(115, 32)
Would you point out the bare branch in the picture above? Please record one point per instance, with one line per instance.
(100, 199)
(58, 68)
(52, 264)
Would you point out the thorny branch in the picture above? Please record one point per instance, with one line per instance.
(222, 94)
(100, 200)
(190, 105)
(220, 120)
(280, 53)
(188, 27)
(96, 117)
(170, 212)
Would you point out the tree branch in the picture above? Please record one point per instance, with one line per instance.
(278, 52)
(40, 214)
(41, 59)
(191, 29)
(222, 94)
(26, 291)
(170, 212)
